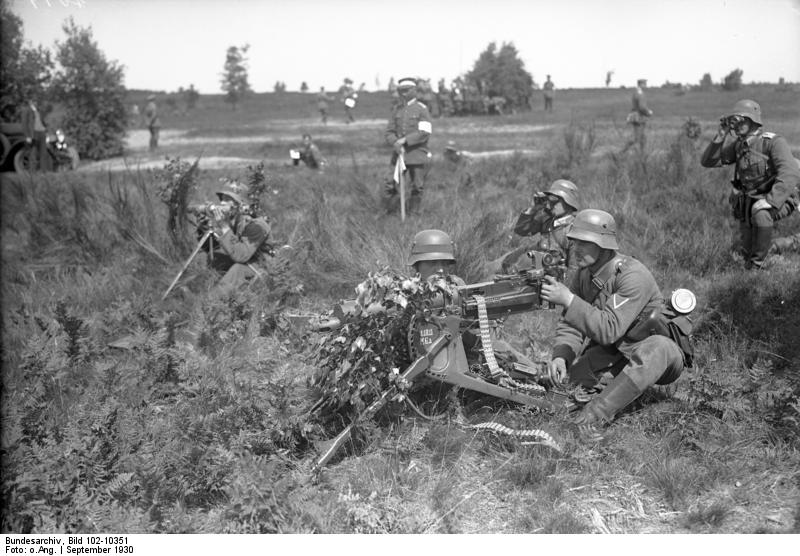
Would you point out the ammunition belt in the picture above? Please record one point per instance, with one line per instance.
(486, 339)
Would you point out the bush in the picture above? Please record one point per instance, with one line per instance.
(92, 91)
(733, 81)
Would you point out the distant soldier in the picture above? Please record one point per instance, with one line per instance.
(308, 154)
(765, 178)
(35, 136)
(349, 96)
(638, 117)
(408, 131)
(152, 120)
(322, 105)
(549, 92)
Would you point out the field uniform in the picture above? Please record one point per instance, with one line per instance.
(33, 128)
(411, 121)
(238, 251)
(312, 156)
(322, 105)
(349, 102)
(764, 169)
(153, 123)
(638, 117)
(604, 311)
(548, 95)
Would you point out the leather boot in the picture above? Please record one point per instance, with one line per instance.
(746, 238)
(414, 202)
(614, 397)
(762, 240)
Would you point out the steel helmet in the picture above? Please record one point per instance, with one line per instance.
(228, 193)
(568, 192)
(749, 109)
(431, 245)
(595, 226)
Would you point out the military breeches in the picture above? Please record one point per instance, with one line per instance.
(154, 131)
(654, 360)
(237, 274)
(415, 184)
(756, 227)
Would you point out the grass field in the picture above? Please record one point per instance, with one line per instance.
(168, 436)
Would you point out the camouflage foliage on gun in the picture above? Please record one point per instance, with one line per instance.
(396, 320)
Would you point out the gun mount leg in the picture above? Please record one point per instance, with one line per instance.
(479, 385)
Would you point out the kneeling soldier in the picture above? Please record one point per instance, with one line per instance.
(613, 301)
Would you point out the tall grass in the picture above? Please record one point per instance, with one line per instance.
(173, 436)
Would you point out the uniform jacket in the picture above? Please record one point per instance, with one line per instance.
(322, 101)
(312, 156)
(412, 121)
(639, 103)
(245, 241)
(630, 291)
(764, 163)
(31, 121)
(548, 89)
(151, 115)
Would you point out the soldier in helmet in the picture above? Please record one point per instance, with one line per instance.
(309, 154)
(408, 131)
(765, 178)
(546, 220)
(152, 120)
(241, 240)
(611, 304)
(432, 253)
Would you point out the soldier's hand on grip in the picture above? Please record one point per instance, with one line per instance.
(557, 370)
(555, 292)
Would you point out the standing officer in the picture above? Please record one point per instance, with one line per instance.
(408, 131)
(765, 177)
(638, 117)
(152, 120)
(549, 89)
(547, 220)
(615, 304)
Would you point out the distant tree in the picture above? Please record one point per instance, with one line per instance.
(91, 89)
(24, 72)
(502, 73)
(706, 84)
(234, 81)
(733, 81)
(304, 87)
(279, 87)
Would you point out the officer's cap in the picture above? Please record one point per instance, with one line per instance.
(407, 83)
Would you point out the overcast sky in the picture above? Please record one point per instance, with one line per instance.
(166, 44)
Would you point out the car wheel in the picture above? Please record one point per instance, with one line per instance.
(22, 160)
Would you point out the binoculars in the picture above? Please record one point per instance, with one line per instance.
(732, 121)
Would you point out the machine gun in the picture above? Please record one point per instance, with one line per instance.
(439, 332)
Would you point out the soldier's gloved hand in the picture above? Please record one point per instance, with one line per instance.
(555, 292)
(761, 204)
(557, 370)
(399, 146)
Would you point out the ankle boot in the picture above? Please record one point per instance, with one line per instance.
(614, 397)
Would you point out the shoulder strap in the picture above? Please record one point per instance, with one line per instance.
(603, 277)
